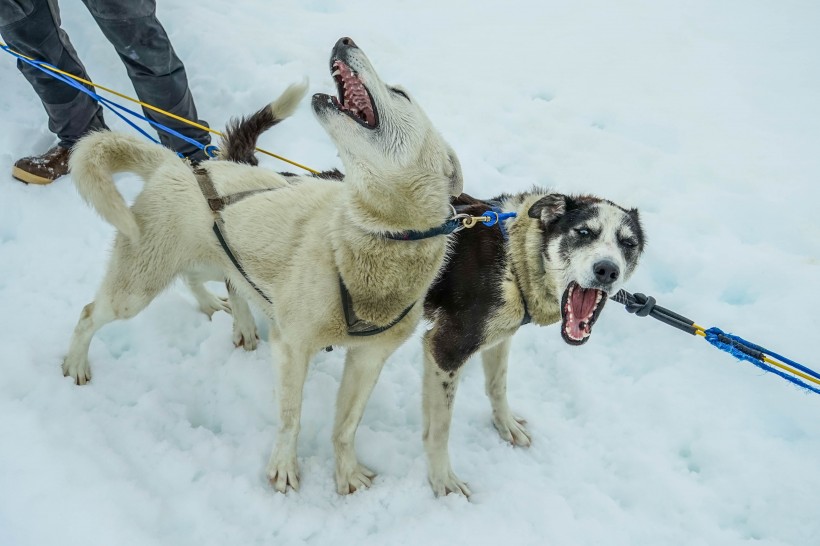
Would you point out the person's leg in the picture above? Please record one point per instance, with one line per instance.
(32, 27)
(158, 75)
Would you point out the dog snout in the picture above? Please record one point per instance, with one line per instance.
(345, 42)
(606, 271)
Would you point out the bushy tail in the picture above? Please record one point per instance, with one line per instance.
(96, 157)
(239, 140)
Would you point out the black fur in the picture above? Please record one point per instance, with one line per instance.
(239, 140)
(633, 221)
(333, 174)
(467, 290)
(575, 217)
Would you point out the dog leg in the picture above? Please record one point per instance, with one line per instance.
(363, 364)
(283, 470)
(209, 303)
(244, 325)
(95, 315)
(510, 427)
(131, 282)
(438, 394)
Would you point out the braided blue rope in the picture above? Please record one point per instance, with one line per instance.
(111, 105)
(497, 217)
(713, 336)
(763, 350)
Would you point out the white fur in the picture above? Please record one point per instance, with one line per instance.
(294, 243)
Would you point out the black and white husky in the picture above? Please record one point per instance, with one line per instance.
(557, 260)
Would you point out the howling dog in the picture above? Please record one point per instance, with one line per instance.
(557, 260)
(329, 263)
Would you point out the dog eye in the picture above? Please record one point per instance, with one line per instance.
(583, 232)
(400, 92)
(628, 243)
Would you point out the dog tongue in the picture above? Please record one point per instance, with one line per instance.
(581, 306)
(583, 302)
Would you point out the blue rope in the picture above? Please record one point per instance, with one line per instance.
(763, 350)
(453, 224)
(744, 350)
(111, 105)
(498, 217)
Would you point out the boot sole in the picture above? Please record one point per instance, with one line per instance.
(29, 178)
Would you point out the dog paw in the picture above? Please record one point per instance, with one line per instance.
(212, 303)
(512, 430)
(284, 474)
(77, 369)
(350, 481)
(246, 340)
(446, 483)
(244, 328)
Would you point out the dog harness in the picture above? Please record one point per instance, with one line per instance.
(355, 326)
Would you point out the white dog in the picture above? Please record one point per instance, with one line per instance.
(319, 256)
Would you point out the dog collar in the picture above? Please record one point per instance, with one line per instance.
(492, 217)
(450, 226)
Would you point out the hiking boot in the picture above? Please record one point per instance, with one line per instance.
(42, 169)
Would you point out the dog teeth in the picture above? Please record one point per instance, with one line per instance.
(336, 72)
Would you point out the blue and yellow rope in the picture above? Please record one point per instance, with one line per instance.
(151, 107)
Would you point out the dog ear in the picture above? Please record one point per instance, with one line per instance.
(456, 178)
(637, 226)
(550, 207)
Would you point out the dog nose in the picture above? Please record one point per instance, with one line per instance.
(606, 272)
(346, 42)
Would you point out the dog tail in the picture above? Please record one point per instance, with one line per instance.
(96, 157)
(239, 141)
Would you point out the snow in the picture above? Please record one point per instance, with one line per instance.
(702, 114)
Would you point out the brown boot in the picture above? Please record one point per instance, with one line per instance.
(42, 169)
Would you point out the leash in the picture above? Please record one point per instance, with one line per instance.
(763, 358)
(457, 222)
(356, 326)
(76, 81)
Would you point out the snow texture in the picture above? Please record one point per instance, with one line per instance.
(702, 114)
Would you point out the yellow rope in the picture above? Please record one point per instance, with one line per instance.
(785, 367)
(699, 330)
(789, 369)
(155, 109)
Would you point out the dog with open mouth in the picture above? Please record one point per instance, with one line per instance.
(557, 260)
(327, 262)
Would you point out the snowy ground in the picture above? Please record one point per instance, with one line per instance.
(702, 114)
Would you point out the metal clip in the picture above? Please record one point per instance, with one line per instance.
(471, 221)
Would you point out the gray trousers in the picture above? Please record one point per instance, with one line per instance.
(32, 27)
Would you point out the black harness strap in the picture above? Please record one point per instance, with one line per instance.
(527, 317)
(233, 259)
(239, 196)
(357, 326)
(217, 203)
